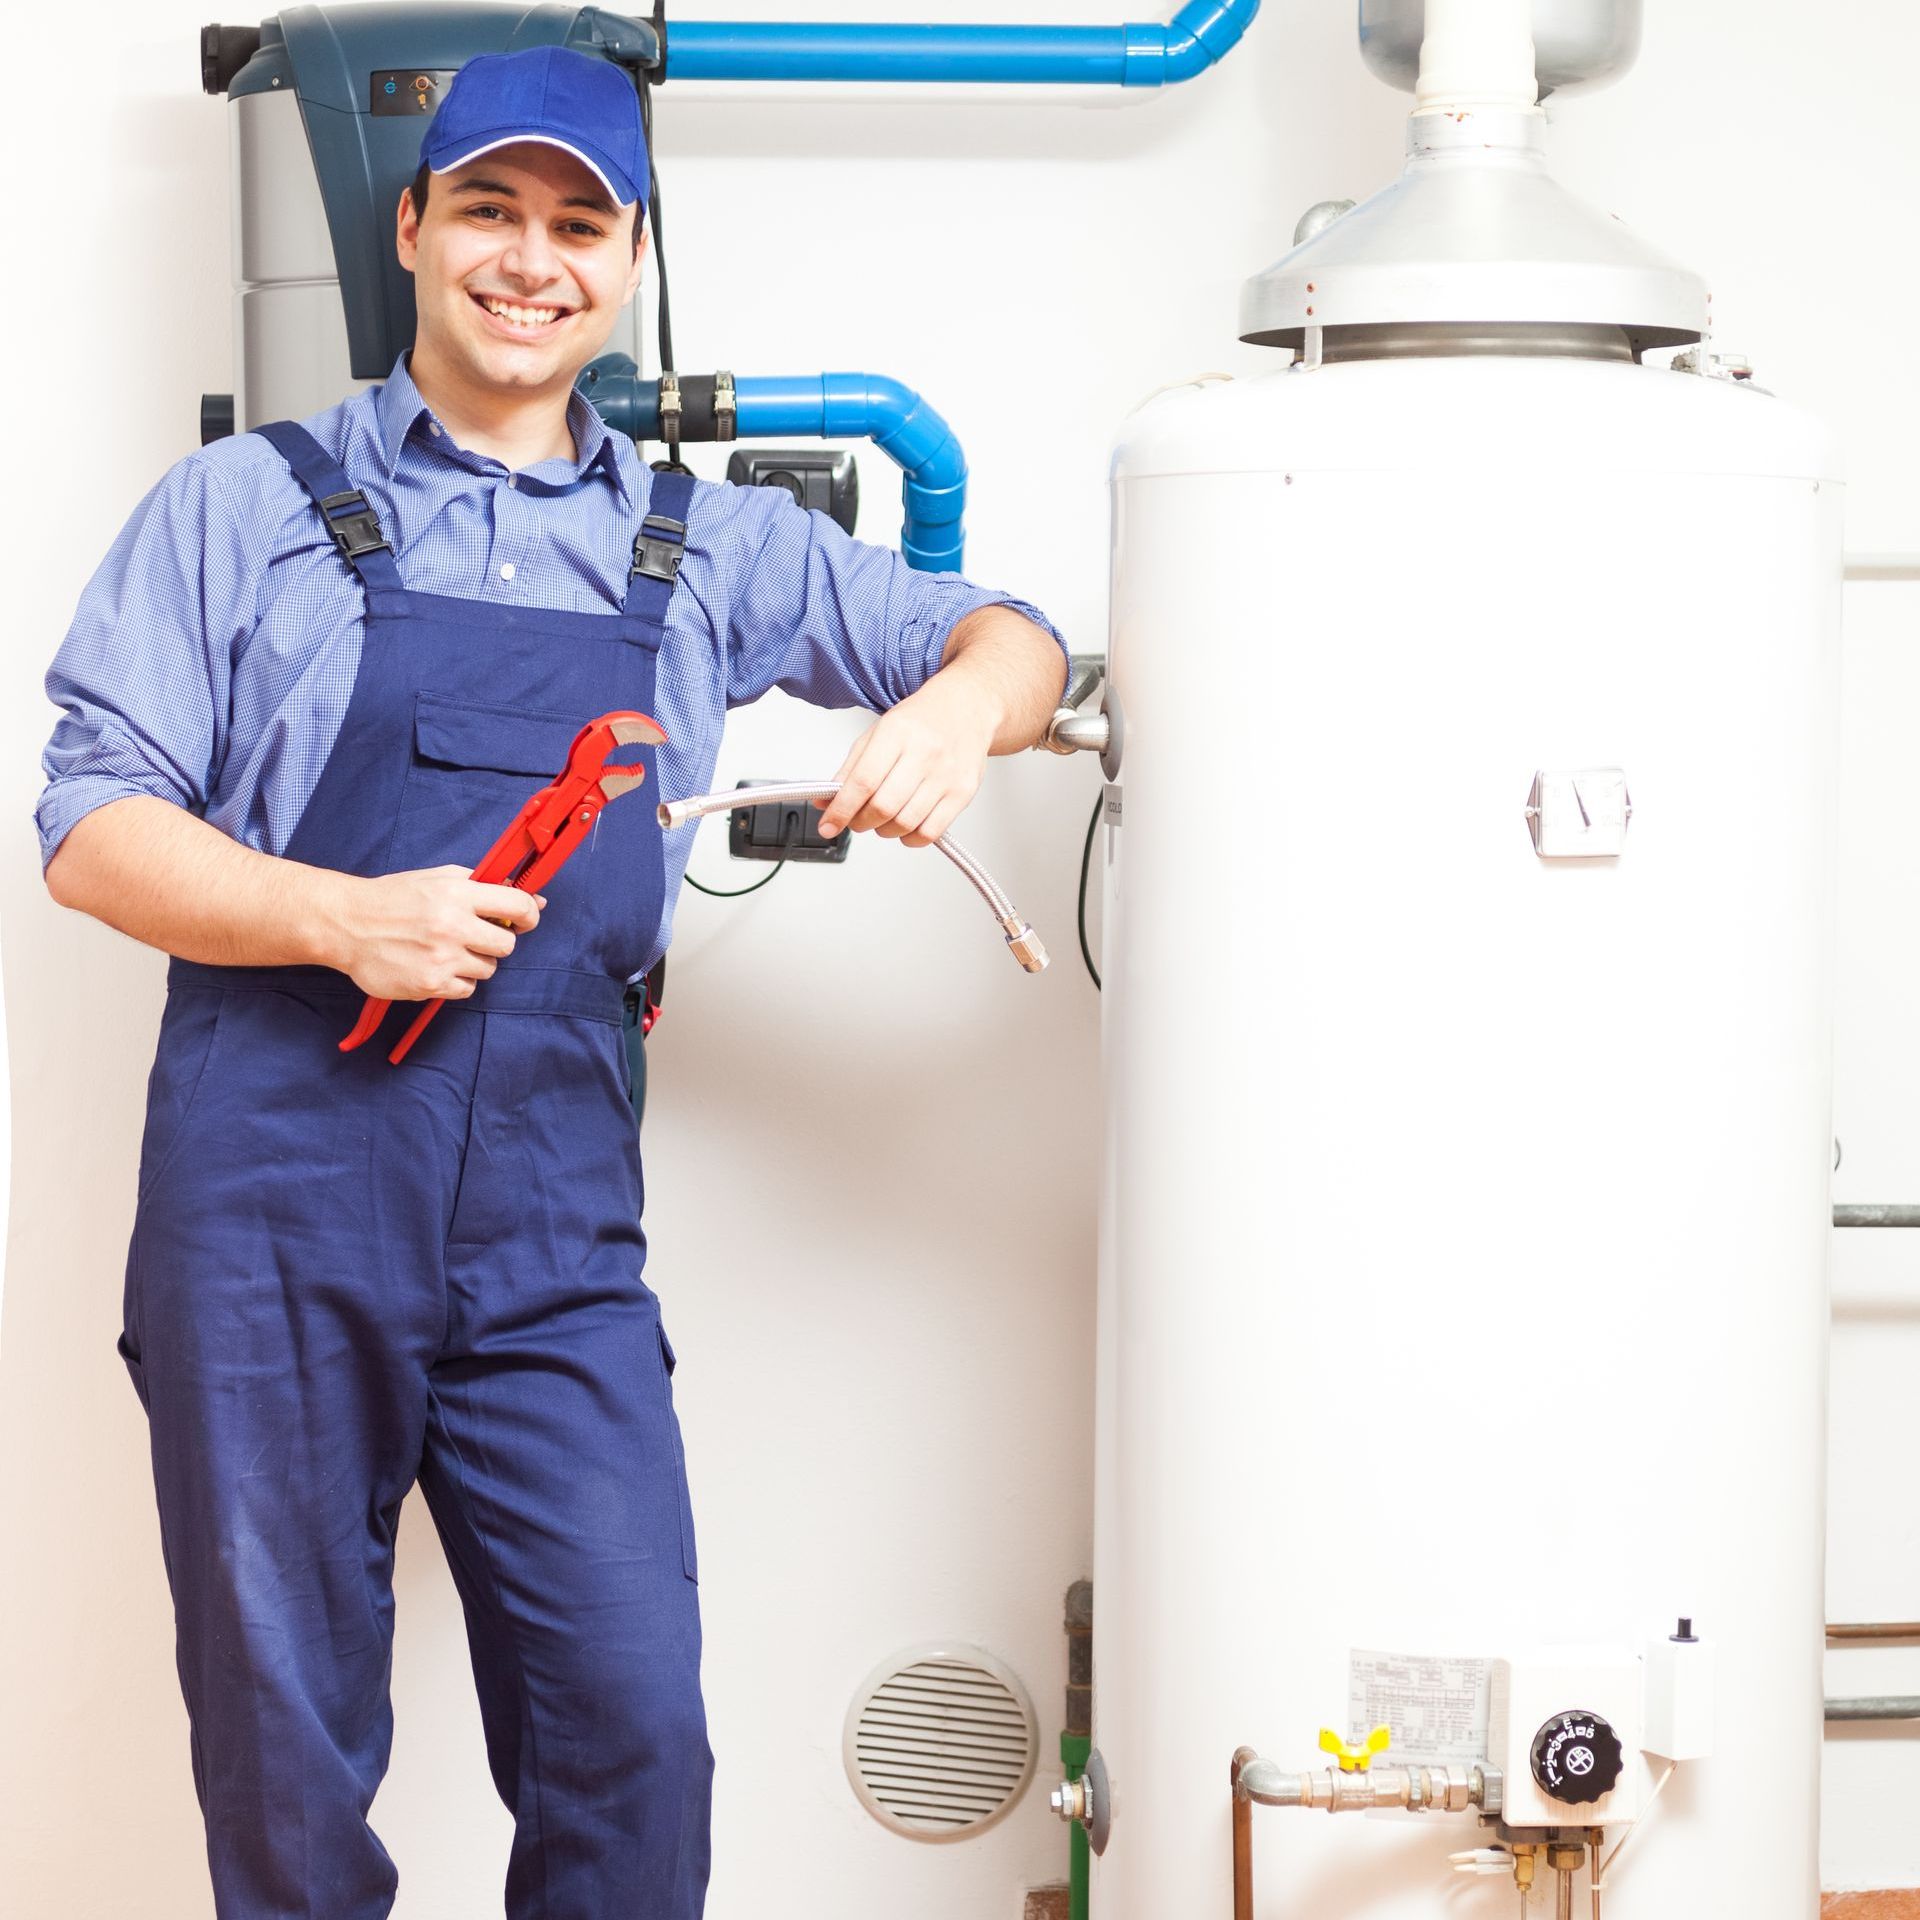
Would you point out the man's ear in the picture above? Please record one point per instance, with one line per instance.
(406, 238)
(633, 278)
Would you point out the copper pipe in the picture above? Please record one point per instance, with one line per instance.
(1593, 1872)
(1242, 1837)
(1875, 1630)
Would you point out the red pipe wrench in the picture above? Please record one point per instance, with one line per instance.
(544, 832)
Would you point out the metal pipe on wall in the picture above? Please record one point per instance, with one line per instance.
(1242, 1835)
(1883, 566)
(1881, 1706)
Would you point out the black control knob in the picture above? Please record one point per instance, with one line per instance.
(1577, 1758)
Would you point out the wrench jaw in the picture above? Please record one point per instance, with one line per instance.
(638, 730)
(618, 780)
(595, 742)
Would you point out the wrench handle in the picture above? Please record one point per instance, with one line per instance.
(418, 1026)
(367, 1025)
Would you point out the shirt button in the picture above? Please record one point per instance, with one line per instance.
(433, 427)
(506, 572)
(513, 479)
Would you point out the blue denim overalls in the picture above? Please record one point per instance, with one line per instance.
(345, 1276)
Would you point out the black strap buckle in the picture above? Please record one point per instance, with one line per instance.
(353, 523)
(659, 547)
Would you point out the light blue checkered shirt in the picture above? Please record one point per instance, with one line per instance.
(214, 650)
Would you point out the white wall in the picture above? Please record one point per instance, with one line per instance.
(871, 1147)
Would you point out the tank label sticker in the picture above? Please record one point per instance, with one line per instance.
(1112, 813)
(1437, 1705)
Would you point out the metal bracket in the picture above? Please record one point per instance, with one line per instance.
(670, 412)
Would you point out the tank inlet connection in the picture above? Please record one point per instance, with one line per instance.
(1026, 945)
(1356, 1785)
(1087, 1802)
(1070, 730)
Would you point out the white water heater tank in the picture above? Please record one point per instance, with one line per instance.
(1468, 869)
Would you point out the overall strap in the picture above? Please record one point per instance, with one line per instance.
(659, 546)
(348, 513)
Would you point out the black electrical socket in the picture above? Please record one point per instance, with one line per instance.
(782, 829)
(816, 477)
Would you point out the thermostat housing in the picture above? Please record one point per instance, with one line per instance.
(1600, 1686)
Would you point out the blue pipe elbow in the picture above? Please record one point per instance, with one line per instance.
(1199, 36)
(828, 406)
(1136, 54)
(933, 486)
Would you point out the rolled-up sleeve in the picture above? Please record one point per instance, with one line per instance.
(836, 622)
(143, 676)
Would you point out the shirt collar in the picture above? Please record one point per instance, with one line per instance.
(399, 410)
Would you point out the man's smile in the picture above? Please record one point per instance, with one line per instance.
(521, 317)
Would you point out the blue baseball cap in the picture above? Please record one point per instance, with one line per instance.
(586, 107)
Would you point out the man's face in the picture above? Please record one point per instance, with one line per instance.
(520, 267)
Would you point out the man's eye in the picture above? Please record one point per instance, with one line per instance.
(484, 209)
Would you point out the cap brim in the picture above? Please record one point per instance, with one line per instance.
(616, 183)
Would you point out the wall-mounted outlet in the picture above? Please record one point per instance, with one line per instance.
(816, 477)
(783, 830)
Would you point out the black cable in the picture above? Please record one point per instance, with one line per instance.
(740, 893)
(659, 241)
(1086, 864)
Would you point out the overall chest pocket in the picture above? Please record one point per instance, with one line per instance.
(472, 770)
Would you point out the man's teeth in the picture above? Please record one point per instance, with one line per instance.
(523, 316)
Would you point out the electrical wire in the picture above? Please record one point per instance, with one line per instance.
(740, 893)
(737, 893)
(659, 239)
(1086, 865)
(1626, 1839)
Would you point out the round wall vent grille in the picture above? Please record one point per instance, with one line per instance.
(940, 1743)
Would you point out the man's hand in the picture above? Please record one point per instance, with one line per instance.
(166, 877)
(432, 934)
(910, 774)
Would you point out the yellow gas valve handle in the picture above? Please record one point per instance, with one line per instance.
(1354, 1759)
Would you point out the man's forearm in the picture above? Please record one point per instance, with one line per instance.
(164, 876)
(1015, 665)
(910, 773)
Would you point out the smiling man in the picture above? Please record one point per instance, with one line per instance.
(311, 682)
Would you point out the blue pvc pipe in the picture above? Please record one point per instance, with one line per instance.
(828, 406)
(1136, 54)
